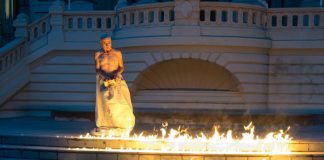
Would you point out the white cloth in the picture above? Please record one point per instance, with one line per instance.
(113, 106)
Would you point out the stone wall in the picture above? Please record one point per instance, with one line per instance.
(296, 79)
(65, 80)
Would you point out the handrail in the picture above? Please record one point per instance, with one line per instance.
(11, 54)
(10, 46)
(39, 28)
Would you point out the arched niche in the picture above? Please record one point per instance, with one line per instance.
(182, 82)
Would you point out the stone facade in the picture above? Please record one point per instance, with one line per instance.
(178, 55)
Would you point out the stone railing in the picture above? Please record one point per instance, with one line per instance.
(25, 33)
(232, 14)
(11, 54)
(91, 20)
(146, 15)
(38, 29)
(295, 18)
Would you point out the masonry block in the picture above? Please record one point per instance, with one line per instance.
(86, 156)
(30, 154)
(48, 155)
(149, 157)
(236, 158)
(192, 158)
(214, 158)
(280, 158)
(11, 153)
(168, 157)
(67, 156)
(107, 156)
(301, 158)
(258, 158)
(298, 147)
(127, 157)
(316, 147)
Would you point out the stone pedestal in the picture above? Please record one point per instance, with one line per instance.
(186, 18)
(56, 35)
(21, 25)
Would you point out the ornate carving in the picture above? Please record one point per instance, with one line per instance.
(186, 9)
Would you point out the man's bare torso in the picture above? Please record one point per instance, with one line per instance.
(108, 62)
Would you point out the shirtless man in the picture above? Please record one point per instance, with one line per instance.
(109, 60)
(114, 110)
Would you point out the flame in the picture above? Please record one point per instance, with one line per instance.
(179, 141)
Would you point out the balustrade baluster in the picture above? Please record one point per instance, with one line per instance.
(250, 18)
(156, 16)
(166, 16)
(207, 16)
(311, 20)
(136, 18)
(145, 17)
(321, 19)
(132, 18)
(229, 16)
(127, 18)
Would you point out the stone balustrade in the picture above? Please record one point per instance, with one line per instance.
(212, 14)
(233, 19)
(11, 54)
(155, 14)
(232, 15)
(86, 21)
(289, 18)
(38, 29)
(15, 51)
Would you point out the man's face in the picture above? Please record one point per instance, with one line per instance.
(106, 44)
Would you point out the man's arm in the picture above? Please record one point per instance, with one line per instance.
(97, 60)
(98, 71)
(120, 64)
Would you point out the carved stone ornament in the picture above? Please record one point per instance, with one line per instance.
(186, 9)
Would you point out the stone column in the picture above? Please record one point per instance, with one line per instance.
(56, 12)
(21, 26)
(186, 18)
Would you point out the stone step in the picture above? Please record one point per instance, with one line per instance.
(61, 153)
(102, 143)
(44, 138)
